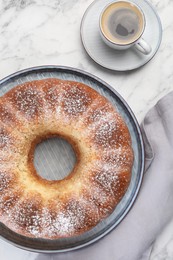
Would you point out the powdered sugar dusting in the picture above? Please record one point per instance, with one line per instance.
(8, 149)
(52, 93)
(108, 132)
(6, 142)
(100, 111)
(108, 180)
(4, 181)
(27, 215)
(104, 126)
(118, 158)
(64, 223)
(104, 134)
(4, 139)
(43, 222)
(6, 115)
(75, 101)
(68, 221)
(9, 197)
(27, 100)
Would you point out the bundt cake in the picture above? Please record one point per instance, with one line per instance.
(40, 109)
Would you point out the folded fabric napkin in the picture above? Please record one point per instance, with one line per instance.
(153, 209)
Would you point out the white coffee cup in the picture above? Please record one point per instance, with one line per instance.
(122, 24)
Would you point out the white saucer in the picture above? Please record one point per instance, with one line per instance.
(113, 59)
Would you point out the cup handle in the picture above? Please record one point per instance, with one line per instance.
(143, 46)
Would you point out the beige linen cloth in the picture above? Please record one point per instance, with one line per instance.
(153, 209)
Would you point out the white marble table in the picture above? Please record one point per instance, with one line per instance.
(43, 32)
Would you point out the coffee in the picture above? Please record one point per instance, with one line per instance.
(122, 22)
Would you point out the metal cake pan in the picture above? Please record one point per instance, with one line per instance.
(110, 223)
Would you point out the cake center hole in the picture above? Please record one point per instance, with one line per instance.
(54, 159)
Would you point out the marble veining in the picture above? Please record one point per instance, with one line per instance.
(42, 32)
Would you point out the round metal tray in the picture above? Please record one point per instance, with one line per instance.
(108, 224)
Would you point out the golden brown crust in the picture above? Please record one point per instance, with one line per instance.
(33, 111)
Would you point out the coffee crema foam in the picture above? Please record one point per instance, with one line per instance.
(122, 23)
